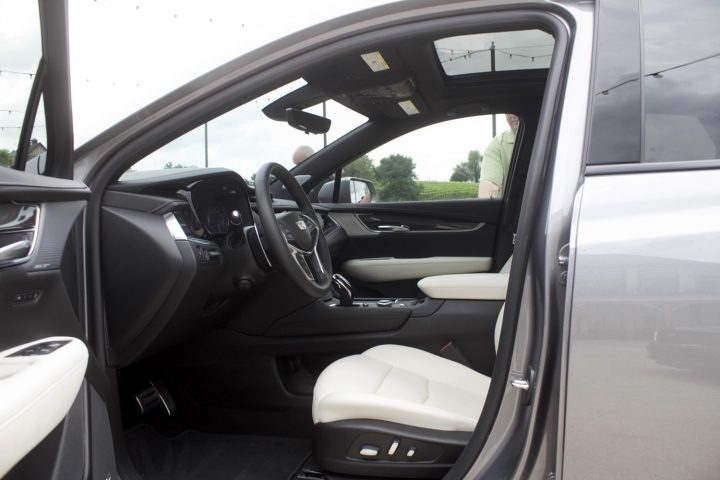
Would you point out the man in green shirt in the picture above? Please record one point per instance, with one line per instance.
(496, 161)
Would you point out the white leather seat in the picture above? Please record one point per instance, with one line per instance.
(403, 385)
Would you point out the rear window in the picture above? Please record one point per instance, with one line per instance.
(495, 52)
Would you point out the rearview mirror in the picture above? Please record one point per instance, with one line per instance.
(307, 122)
(352, 190)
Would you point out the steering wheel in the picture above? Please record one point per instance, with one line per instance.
(297, 244)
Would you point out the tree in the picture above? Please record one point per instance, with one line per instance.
(397, 179)
(361, 167)
(469, 170)
(170, 164)
(7, 158)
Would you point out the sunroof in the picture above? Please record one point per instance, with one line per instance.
(495, 52)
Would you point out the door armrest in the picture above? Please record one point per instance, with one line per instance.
(467, 286)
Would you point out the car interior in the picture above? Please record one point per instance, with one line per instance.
(231, 347)
(268, 326)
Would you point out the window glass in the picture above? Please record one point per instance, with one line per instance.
(451, 160)
(681, 60)
(495, 52)
(243, 139)
(19, 58)
(125, 55)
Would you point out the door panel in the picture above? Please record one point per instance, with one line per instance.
(38, 384)
(43, 357)
(390, 246)
(387, 269)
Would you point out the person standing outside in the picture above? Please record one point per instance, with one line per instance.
(301, 153)
(496, 161)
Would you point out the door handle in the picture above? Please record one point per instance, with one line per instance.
(15, 250)
(394, 228)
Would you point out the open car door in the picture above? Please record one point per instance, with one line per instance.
(43, 356)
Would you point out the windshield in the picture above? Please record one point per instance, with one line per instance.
(244, 138)
(124, 55)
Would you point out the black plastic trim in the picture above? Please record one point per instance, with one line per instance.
(31, 113)
(27, 187)
(615, 123)
(336, 447)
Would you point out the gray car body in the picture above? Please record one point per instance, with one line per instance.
(606, 401)
(646, 266)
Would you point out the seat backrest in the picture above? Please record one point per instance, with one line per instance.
(498, 326)
(499, 321)
(506, 267)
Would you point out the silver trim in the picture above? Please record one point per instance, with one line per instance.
(35, 234)
(262, 249)
(8, 251)
(13, 225)
(394, 228)
(174, 227)
(520, 383)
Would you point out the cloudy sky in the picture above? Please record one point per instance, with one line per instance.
(124, 54)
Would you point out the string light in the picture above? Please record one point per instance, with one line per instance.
(14, 72)
(17, 128)
(467, 54)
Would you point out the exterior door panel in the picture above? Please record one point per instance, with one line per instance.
(642, 379)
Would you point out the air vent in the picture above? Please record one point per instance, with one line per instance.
(328, 223)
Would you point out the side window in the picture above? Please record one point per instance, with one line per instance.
(20, 34)
(681, 76)
(451, 160)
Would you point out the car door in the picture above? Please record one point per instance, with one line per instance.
(414, 228)
(43, 355)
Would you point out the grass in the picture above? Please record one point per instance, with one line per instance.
(433, 190)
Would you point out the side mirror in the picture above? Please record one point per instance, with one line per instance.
(352, 190)
(36, 164)
(307, 122)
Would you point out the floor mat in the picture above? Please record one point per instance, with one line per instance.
(196, 455)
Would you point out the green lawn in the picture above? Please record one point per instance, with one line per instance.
(432, 190)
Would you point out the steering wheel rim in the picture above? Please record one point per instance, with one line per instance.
(297, 245)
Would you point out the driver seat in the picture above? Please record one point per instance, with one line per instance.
(396, 411)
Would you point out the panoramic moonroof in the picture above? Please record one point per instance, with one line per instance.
(495, 52)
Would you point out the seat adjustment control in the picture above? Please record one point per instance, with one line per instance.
(369, 451)
(394, 447)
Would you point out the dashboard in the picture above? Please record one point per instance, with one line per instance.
(182, 251)
(177, 248)
(217, 205)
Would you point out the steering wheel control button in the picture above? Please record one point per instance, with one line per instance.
(394, 447)
(369, 451)
(385, 303)
(207, 253)
(411, 452)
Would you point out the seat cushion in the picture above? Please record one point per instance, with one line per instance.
(400, 384)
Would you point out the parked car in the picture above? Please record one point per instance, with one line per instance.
(216, 323)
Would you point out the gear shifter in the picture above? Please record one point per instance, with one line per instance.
(344, 290)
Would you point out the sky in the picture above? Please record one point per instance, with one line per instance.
(125, 54)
